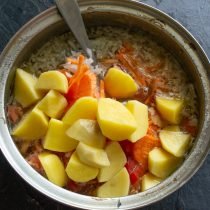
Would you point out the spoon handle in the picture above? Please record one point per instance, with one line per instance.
(70, 11)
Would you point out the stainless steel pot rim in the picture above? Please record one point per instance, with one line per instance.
(180, 177)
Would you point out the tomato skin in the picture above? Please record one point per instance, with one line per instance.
(137, 155)
(71, 95)
(133, 178)
(135, 170)
(127, 147)
(72, 186)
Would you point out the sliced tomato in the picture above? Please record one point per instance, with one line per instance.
(73, 186)
(127, 147)
(135, 170)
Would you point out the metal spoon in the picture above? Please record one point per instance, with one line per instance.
(70, 11)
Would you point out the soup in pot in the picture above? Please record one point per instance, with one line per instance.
(108, 130)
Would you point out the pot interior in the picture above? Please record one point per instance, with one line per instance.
(152, 26)
(179, 47)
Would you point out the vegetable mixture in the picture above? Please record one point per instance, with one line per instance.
(110, 130)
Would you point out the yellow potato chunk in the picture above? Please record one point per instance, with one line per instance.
(24, 90)
(83, 108)
(119, 84)
(149, 181)
(140, 113)
(53, 168)
(172, 128)
(176, 143)
(53, 104)
(162, 163)
(116, 122)
(92, 156)
(80, 172)
(170, 109)
(88, 132)
(52, 80)
(117, 161)
(33, 126)
(56, 138)
(117, 186)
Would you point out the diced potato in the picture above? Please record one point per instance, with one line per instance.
(170, 109)
(176, 143)
(92, 156)
(53, 104)
(117, 161)
(33, 126)
(117, 186)
(172, 128)
(56, 138)
(53, 168)
(119, 84)
(88, 132)
(83, 108)
(52, 80)
(149, 181)
(25, 92)
(162, 163)
(80, 172)
(116, 122)
(140, 113)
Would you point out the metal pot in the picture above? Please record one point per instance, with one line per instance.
(130, 14)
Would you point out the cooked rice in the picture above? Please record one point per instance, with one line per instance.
(105, 42)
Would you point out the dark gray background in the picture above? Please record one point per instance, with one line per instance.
(15, 194)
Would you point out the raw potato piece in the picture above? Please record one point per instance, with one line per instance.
(88, 132)
(25, 92)
(119, 84)
(117, 161)
(162, 163)
(53, 104)
(170, 109)
(149, 181)
(33, 126)
(92, 156)
(56, 138)
(117, 186)
(52, 80)
(116, 122)
(140, 113)
(176, 143)
(172, 128)
(53, 168)
(80, 172)
(83, 108)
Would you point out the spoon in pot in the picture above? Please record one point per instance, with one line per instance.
(70, 11)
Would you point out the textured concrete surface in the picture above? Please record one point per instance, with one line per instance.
(15, 194)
